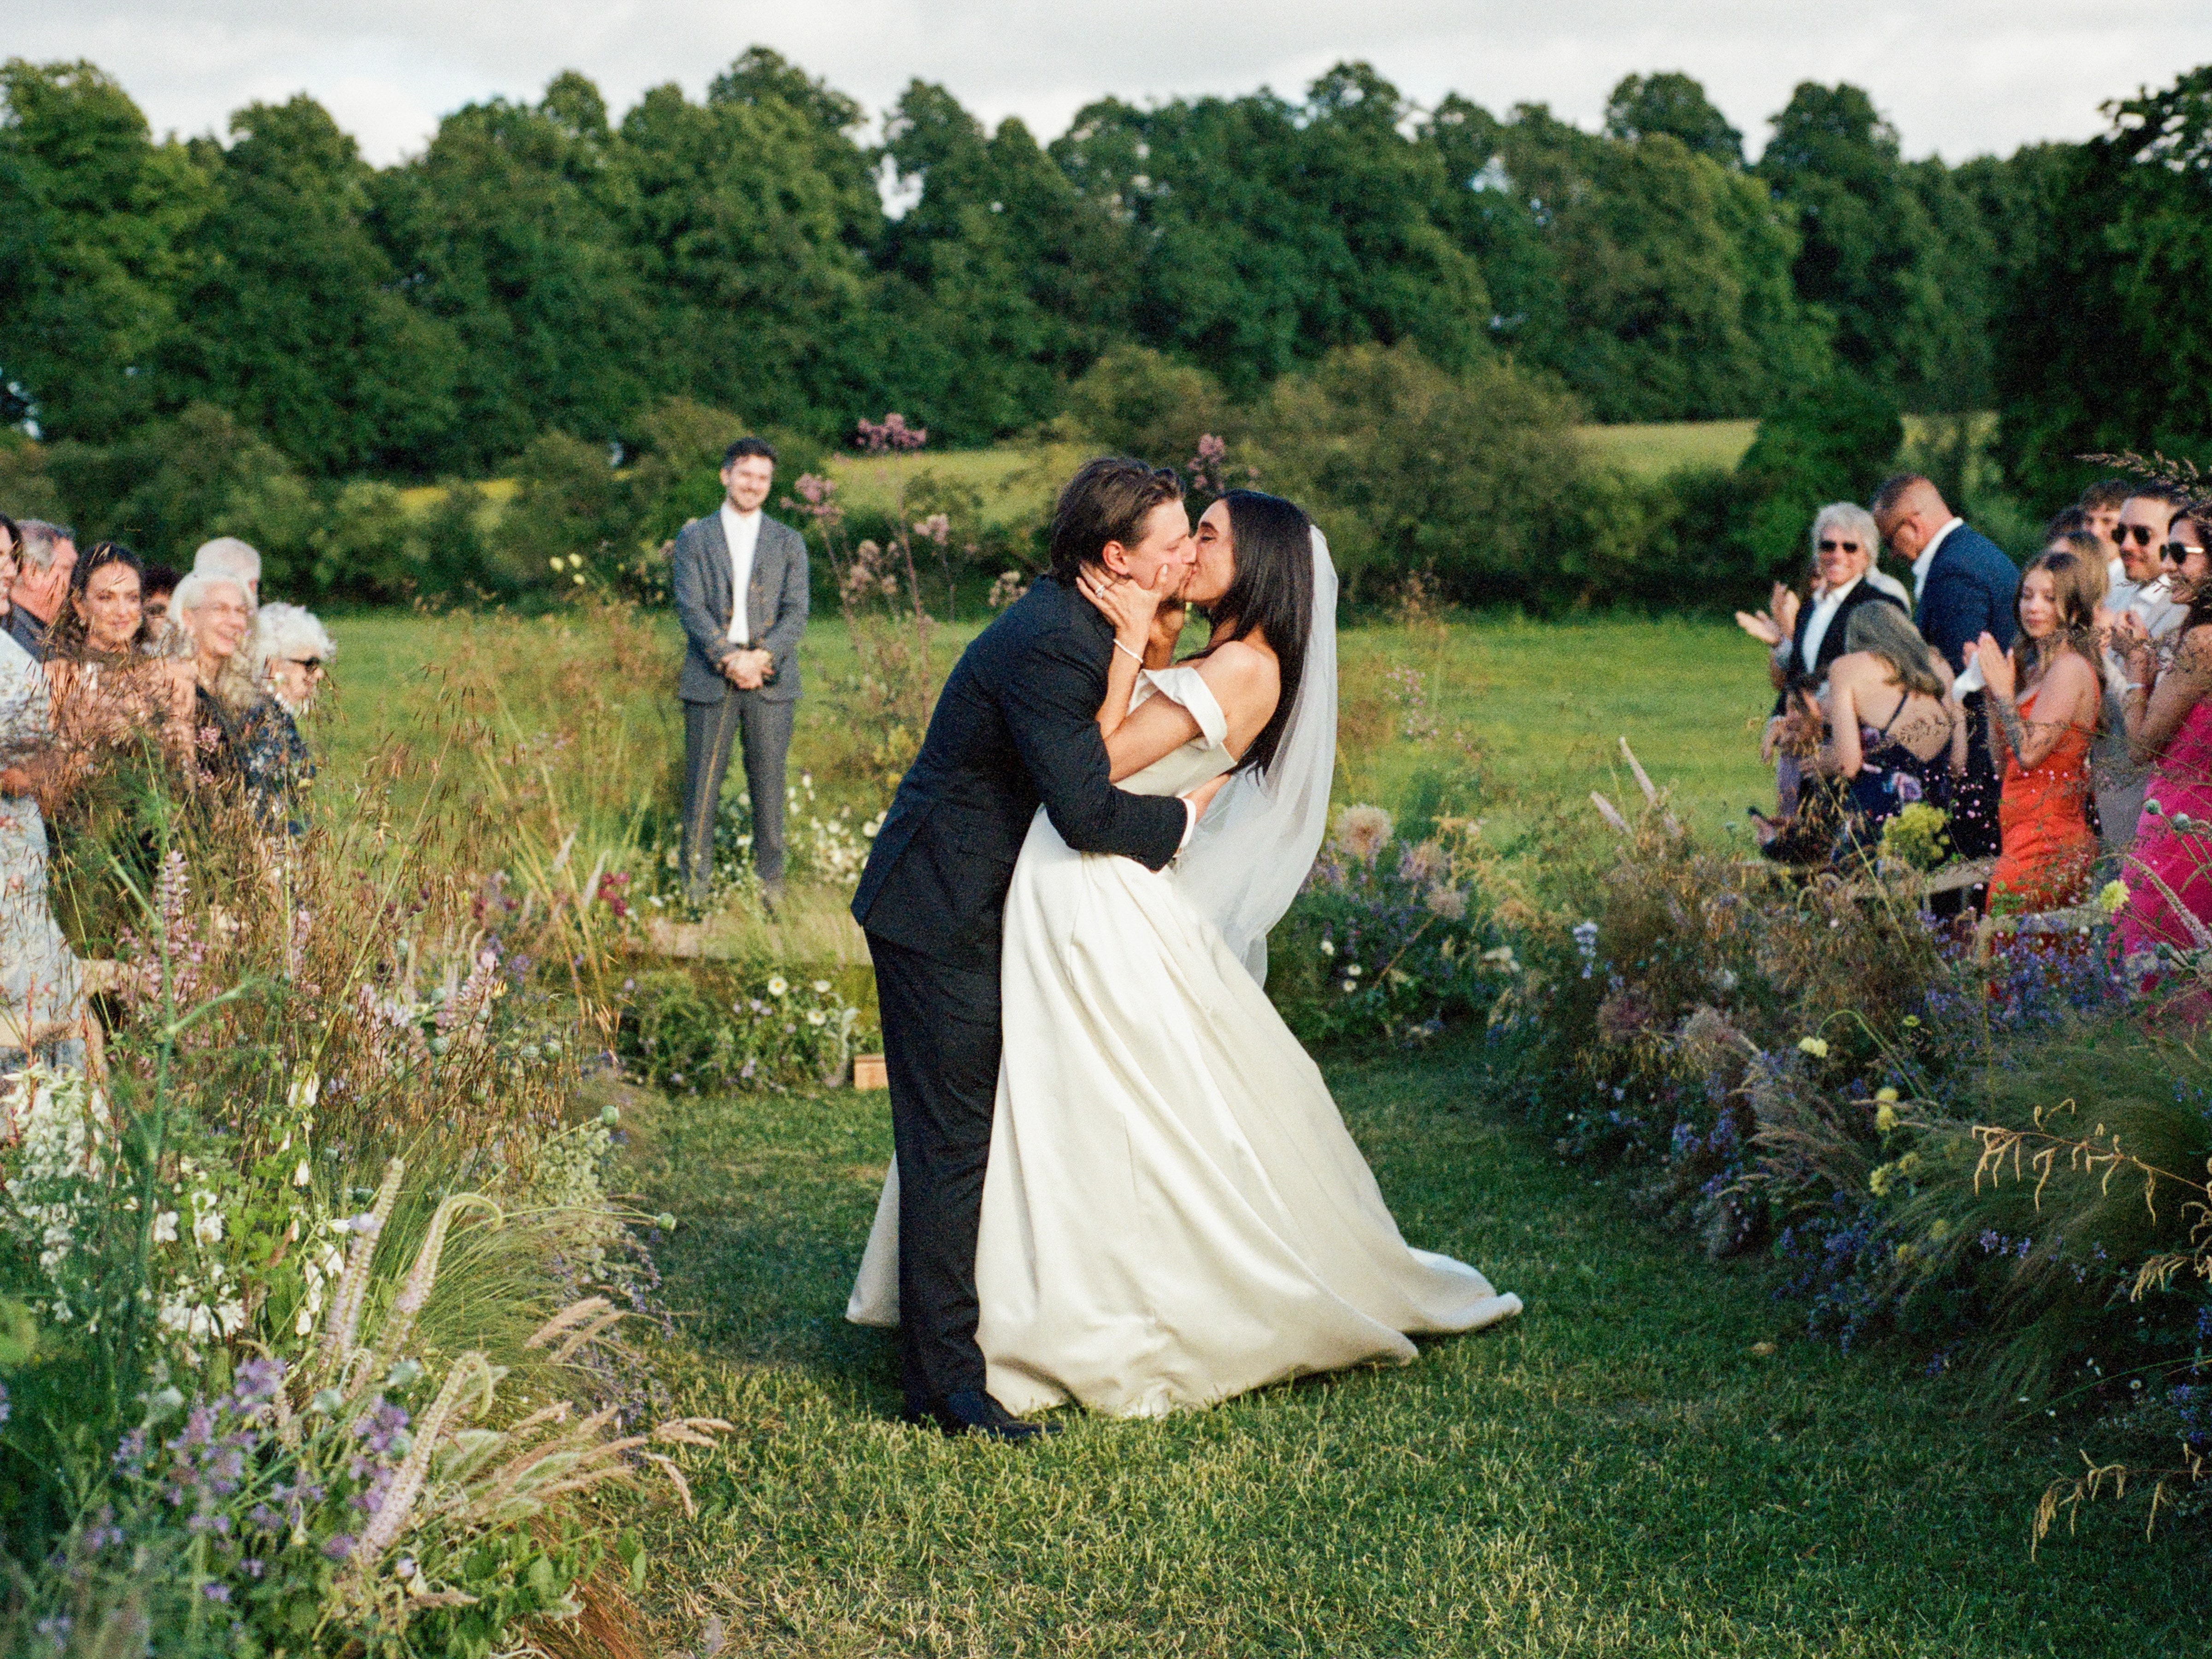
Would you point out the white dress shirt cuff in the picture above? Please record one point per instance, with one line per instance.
(1190, 823)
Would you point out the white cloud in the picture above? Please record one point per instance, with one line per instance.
(1960, 77)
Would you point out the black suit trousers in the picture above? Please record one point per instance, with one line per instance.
(941, 1042)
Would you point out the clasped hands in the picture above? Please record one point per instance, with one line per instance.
(748, 670)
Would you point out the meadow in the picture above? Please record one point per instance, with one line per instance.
(1652, 1459)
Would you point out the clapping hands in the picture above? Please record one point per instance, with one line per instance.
(1777, 622)
(1997, 667)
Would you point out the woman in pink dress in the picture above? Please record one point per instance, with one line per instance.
(2169, 719)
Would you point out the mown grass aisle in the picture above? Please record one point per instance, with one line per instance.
(1622, 1471)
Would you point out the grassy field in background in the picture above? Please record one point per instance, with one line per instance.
(1541, 706)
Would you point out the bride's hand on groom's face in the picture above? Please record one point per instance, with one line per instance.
(1136, 608)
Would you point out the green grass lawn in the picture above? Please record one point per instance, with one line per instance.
(1622, 1471)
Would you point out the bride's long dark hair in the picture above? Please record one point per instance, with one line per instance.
(1271, 593)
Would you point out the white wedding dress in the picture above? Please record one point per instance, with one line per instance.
(1173, 1213)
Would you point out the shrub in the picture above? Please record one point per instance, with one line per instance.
(1476, 478)
(1388, 940)
(1827, 441)
(1136, 401)
(705, 1033)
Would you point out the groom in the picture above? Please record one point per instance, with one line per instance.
(1016, 726)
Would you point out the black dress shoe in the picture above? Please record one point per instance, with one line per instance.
(974, 1412)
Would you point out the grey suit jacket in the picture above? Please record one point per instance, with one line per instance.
(775, 605)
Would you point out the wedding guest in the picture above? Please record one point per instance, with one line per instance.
(1807, 637)
(2168, 707)
(45, 554)
(740, 587)
(214, 611)
(2101, 505)
(1963, 587)
(163, 637)
(41, 1003)
(2147, 587)
(107, 691)
(287, 653)
(2046, 696)
(227, 556)
(1896, 737)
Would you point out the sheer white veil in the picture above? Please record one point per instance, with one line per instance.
(1253, 849)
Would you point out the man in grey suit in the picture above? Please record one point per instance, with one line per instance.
(740, 580)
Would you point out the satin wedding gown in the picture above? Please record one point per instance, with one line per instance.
(1173, 1211)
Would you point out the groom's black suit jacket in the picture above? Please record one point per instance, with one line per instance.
(1016, 725)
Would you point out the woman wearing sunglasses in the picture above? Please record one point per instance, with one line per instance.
(287, 652)
(2168, 707)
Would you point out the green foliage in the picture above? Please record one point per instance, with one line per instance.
(2105, 341)
(508, 229)
(708, 1033)
(1645, 105)
(1660, 277)
(1827, 441)
(1893, 250)
(1137, 401)
(96, 227)
(298, 328)
(1474, 478)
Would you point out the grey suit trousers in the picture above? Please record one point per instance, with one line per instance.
(709, 729)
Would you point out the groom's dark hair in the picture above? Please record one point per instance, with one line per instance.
(1107, 501)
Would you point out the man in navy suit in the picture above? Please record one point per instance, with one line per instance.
(1962, 585)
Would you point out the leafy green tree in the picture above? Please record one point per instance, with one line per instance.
(171, 484)
(504, 230)
(296, 328)
(95, 220)
(748, 220)
(1008, 280)
(2104, 340)
(1827, 441)
(1474, 478)
(1271, 231)
(1656, 281)
(1893, 250)
(1645, 105)
(1139, 402)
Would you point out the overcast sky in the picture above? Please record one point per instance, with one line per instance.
(1958, 78)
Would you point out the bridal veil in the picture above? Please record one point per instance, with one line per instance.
(1252, 850)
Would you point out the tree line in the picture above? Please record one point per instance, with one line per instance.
(543, 269)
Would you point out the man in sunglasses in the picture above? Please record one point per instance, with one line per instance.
(2147, 592)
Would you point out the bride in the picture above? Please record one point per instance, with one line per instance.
(1173, 1213)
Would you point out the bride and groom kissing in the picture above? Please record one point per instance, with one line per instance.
(1119, 1178)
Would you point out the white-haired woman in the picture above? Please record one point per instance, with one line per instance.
(216, 612)
(288, 650)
